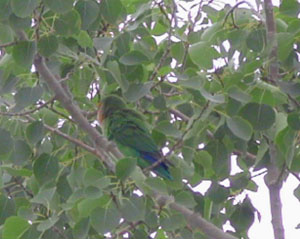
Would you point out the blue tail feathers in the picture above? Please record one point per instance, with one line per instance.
(162, 169)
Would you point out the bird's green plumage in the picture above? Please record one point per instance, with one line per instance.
(127, 128)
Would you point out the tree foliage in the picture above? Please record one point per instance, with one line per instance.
(200, 75)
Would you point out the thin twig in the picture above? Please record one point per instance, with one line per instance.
(190, 30)
(61, 114)
(69, 138)
(173, 111)
(168, 47)
(230, 12)
(29, 193)
(179, 141)
(29, 111)
(127, 229)
(8, 44)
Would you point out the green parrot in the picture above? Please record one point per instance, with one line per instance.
(128, 130)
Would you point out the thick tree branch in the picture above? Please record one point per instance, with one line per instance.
(101, 143)
(195, 220)
(271, 39)
(274, 183)
(273, 179)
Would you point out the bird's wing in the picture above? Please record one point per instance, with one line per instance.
(128, 128)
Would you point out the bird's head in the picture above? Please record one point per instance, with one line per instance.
(108, 105)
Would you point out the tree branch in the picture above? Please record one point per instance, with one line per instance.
(29, 111)
(8, 44)
(273, 178)
(101, 143)
(271, 39)
(274, 183)
(195, 220)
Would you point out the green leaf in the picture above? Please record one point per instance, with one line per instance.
(291, 88)
(260, 116)
(151, 219)
(14, 227)
(105, 220)
(216, 98)
(159, 29)
(7, 208)
(159, 102)
(21, 153)
(243, 216)
(6, 34)
(186, 199)
(239, 181)
(192, 83)
(125, 167)
(59, 6)
(6, 142)
(157, 184)
(87, 206)
(137, 91)
(23, 53)
(31, 233)
(202, 54)
(68, 24)
(35, 132)
(103, 43)
(88, 11)
(147, 45)
(263, 96)
(177, 51)
(218, 193)
(297, 192)
(48, 223)
(84, 40)
(255, 40)
(18, 23)
(111, 10)
(168, 129)
(236, 93)
(285, 141)
(114, 70)
(172, 222)
(47, 45)
(94, 177)
(133, 58)
(81, 81)
(44, 196)
(45, 168)
(23, 8)
(285, 45)
(210, 32)
(204, 159)
(294, 120)
(81, 229)
(290, 8)
(18, 172)
(133, 208)
(27, 96)
(5, 9)
(240, 127)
